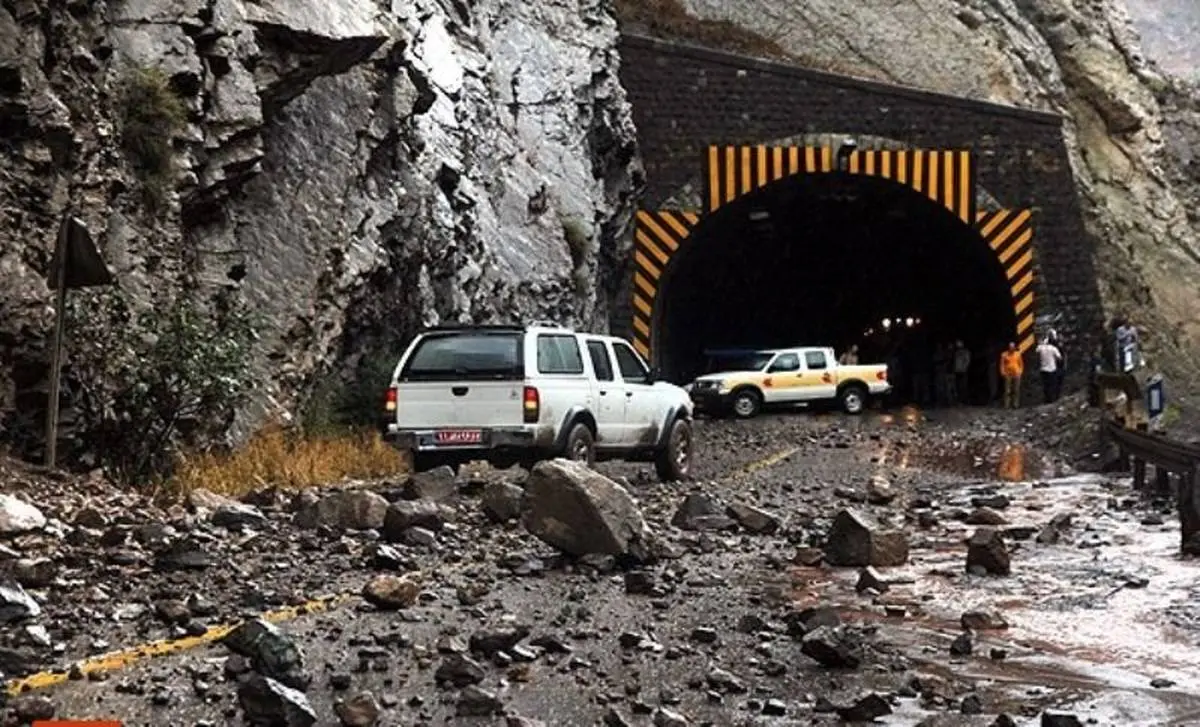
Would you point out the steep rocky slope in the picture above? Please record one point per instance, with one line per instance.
(1130, 127)
(352, 169)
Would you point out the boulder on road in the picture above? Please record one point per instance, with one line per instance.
(581, 512)
(18, 516)
(700, 511)
(501, 501)
(753, 519)
(437, 484)
(270, 651)
(390, 593)
(856, 540)
(987, 553)
(413, 514)
(267, 703)
(344, 509)
(223, 511)
(16, 604)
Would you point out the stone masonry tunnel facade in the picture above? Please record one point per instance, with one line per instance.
(717, 130)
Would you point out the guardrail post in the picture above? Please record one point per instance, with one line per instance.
(1139, 474)
(1162, 481)
(1189, 513)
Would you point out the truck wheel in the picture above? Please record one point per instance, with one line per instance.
(746, 403)
(853, 399)
(581, 445)
(673, 463)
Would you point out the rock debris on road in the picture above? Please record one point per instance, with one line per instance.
(839, 583)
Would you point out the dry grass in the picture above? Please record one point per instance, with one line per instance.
(277, 457)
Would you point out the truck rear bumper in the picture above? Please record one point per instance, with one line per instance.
(425, 440)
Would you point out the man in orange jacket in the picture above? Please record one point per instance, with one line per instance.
(1012, 367)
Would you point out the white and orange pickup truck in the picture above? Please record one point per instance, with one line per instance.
(749, 380)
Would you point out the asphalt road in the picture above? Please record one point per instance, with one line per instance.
(710, 644)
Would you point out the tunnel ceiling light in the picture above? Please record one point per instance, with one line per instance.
(759, 215)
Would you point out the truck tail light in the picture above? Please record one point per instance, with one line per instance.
(532, 404)
(881, 375)
(391, 400)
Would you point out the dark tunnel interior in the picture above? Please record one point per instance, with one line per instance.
(823, 260)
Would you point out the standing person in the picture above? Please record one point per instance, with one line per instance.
(1012, 368)
(850, 356)
(1049, 362)
(1062, 364)
(962, 365)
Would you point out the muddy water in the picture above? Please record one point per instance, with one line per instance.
(1092, 619)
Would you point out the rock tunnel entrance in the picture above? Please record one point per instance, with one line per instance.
(834, 259)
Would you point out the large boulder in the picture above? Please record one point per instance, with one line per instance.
(856, 540)
(345, 509)
(18, 516)
(987, 553)
(581, 512)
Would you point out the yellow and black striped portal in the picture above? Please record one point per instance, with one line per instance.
(657, 236)
(947, 177)
(1010, 235)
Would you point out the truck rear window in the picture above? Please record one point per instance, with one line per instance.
(466, 355)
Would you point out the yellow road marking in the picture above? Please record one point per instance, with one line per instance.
(114, 660)
(118, 659)
(765, 462)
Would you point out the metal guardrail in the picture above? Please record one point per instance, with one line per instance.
(1168, 458)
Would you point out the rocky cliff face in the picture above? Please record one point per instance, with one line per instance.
(354, 169)
(1131, 128)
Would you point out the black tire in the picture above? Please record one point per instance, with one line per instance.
(746, 403)
(673, 463)
(853, 399)
(581, 445)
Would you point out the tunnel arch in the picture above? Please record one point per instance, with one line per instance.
(968, 273)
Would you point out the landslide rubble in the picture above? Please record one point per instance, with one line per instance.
(454, 613)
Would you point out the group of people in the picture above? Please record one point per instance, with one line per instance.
(953, 373)
(1051, 368)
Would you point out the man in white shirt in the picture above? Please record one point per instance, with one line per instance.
(1049, 361)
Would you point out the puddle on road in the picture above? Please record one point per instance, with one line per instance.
(1094, 618)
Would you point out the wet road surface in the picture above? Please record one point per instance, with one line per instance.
(1092, 619)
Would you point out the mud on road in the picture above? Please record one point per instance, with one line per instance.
(739, 620)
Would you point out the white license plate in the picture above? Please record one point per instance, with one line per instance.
(458, 436)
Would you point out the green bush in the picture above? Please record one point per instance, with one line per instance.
(341, 402)
(151, 114)
(152, 382)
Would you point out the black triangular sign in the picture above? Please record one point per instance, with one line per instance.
(84, 266)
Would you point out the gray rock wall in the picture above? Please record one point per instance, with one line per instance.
(356, 168)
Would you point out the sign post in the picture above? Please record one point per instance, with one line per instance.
(76, 264)
(1156, 401)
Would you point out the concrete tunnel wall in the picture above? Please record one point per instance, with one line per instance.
(687, 98)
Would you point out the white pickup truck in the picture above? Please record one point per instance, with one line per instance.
(517, 394)
(748, 380)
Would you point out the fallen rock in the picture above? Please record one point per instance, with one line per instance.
(501, 501)
(477, 702)
(986, 516)
(414, 514)
(1060, 719)
(437, 485)
(987, 553)
(223, 511)
(1054, 530)
(268, 703)
(699, 511)
(962, 645)
(16, 604)
(391, 593)
(983, 621)
(581, 512)
(809, 557)
(867, 709)
(361, 710)
(871, 579)
(832, 647)
(754, 519)
(458, 670)
(35, 573)
(489, 642)
(18, 516)
(183, 555)
(855, 540)
(344, 509)
(995, 502)
(880, 491)
(28, 708)
(664, 717)
(270, 651)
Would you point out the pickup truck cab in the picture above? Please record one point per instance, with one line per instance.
(517, 394)
(753, 379)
